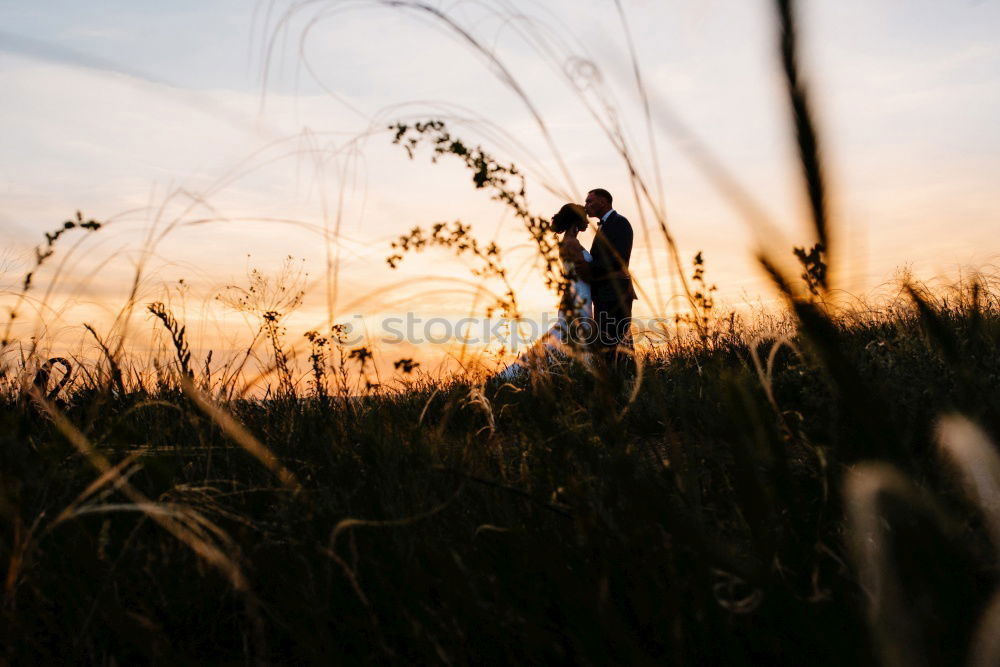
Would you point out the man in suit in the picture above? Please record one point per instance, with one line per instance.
(611, 283)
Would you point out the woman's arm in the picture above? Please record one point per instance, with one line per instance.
(572, 251)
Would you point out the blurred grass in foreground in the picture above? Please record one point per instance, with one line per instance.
(703, 520)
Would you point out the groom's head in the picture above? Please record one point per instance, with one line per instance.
(598, 202)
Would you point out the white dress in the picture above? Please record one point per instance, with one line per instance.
(579, 292)
(553, 345)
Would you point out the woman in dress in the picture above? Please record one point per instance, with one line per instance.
(576, 302)
(576, 309)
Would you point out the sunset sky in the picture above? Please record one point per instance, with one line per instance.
(223, 136)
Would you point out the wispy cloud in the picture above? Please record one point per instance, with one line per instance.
(59, 54)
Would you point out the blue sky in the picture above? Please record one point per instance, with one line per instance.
(112, 106)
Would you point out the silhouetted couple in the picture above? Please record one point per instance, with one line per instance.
(595, 310)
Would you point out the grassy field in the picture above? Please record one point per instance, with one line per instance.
(823, 489)
(707, 519)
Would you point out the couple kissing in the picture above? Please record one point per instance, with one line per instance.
(596, 303)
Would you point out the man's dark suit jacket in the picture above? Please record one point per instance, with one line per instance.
(611, 249)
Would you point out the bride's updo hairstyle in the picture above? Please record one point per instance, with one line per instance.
(568, 217)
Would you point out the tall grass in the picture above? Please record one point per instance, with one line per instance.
(702, 522)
